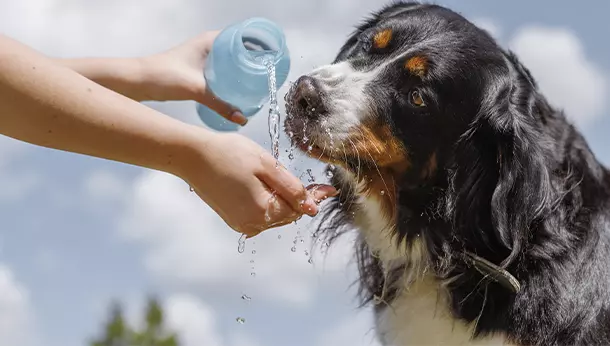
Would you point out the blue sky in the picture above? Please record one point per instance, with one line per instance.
(77, 231)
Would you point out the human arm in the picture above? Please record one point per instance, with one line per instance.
(53, 106)
(175, 74)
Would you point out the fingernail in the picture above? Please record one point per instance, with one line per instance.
(239, 118)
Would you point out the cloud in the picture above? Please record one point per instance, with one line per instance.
(104, 186)
(489, 25)
(16, 184)
(194, 321)
(355, 330)
(566, 75)
(16, 324)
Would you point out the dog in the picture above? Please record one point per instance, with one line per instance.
(483, 217)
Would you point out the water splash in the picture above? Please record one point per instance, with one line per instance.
(291, 154)
(241, 244)
(274, 109)
(272, 201)
(310, 176)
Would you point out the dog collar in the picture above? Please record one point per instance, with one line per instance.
(490, 270)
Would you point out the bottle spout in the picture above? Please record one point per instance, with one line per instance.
(260, 39)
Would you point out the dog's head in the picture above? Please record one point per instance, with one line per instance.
(400, 91)
(420, 100)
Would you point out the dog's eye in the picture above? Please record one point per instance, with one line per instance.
(416, 99)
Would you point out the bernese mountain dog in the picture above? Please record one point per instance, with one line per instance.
(483, 217)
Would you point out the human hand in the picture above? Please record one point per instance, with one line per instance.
(177, 74)
(236, 177)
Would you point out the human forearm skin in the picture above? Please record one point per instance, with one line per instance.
(127, 76)
(53, 106)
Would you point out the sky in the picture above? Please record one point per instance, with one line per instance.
(77, 232)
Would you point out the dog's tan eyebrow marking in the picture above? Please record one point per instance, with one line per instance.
(382, 39)
(417, 65)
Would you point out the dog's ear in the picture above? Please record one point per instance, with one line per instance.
(500, 181)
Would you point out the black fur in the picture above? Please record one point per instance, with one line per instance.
(516, 184)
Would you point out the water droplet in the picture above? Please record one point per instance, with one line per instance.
(251, 261)
(310, 260)
(291, 154)
(306, 253)
(246, 298)
(382, 192)
(302, 241)
(279, 236)
(309, 148)
(311, 178)
(329, 174)
(240, 320)
(241, 244)
(293, 249)
(254, 252)
(253, 274)
(327, 244)
(192, 189)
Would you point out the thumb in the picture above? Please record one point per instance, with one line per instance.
(226, 110)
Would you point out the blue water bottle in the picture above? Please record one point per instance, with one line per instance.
(236, 70)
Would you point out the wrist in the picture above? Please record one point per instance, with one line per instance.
(190, 152)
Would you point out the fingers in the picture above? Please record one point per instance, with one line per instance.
(286, 185)
(277, 213)
(320, 192)
(224, 109)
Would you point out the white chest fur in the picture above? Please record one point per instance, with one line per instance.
(420, 314)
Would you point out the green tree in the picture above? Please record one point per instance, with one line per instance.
(116, 331)
(154, 332)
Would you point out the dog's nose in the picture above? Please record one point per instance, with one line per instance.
(307, 97)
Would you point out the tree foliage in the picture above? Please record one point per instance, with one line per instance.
(152, 332)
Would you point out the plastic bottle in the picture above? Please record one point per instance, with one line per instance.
(235, 69)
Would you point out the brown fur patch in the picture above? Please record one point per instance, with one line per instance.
(417, 65)
(378, 144)
(382, 39)
(382, 186)
(430, 167)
